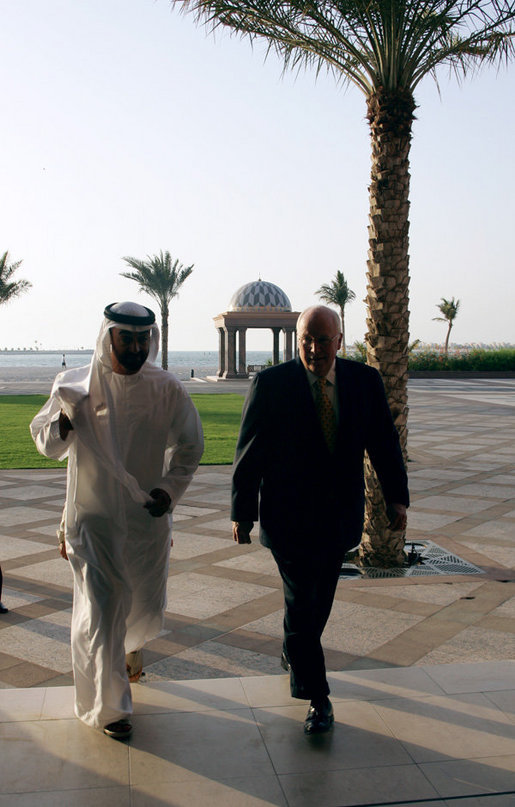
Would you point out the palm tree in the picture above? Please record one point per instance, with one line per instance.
(337, 293)
(161, 278)
(385, 48)
(10, 288)
(449, 309)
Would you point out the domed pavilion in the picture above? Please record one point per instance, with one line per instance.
(259, 304)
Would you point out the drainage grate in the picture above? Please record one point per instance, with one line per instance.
(431, 560)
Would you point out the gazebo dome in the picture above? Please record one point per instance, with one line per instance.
(259, 296)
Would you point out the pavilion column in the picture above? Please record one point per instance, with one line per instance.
(221, 352)
(275, 355)
(230, 353)
(288, 344)
(242, 353)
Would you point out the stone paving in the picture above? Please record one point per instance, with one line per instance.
(224, 614)
(422, 667)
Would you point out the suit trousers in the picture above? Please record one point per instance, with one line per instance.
(309, 584)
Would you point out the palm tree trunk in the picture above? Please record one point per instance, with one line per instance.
(390, 117)
(446, 349)
(164, 335)
(342, 317)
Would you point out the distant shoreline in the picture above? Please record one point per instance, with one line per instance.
(18, 352)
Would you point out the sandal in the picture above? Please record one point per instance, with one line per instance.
(134, 662)
(119, 730)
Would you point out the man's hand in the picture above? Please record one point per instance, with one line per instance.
(398, 516)
(160, 503)
(241, 531)
(65, 425)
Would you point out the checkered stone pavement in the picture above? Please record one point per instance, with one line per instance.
(224, 613)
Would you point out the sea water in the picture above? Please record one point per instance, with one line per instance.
(181, 363)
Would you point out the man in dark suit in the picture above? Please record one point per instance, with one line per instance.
(299, 468)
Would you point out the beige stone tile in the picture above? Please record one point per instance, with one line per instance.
(260, 562)
(480, 677)
(482, 776)
(473, 644)
(372, 685)
(507, 609)
(202, 596)
(49, 529)
(217, 478)
(358, 630)
(190, 510)
(436, 593)
(440, 474)
(21, 704)
(44, 641)
(75, 757)
(58, 703)
(493, 529)
(419, 484)
(11, 547)
(213, 659)
(100, 797)
(496, 491)
(359, 734)
(505, 701)
(36, 474)
(210, 745)
(220, 497)
(222, 525)
(57, 571)
(503, 555)
(364, 785)
(188, 696)
(13, 598)
(15, 516)
(458, 727)
(191, 545)
(264, 691)
(454, 504)
(263, 791)
(32, 492)
(429, 522)
(270, 625)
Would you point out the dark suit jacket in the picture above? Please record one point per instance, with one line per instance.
(284, 473)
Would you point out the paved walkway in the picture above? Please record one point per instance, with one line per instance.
(422, 666)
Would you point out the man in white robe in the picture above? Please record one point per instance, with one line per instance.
(133, 439)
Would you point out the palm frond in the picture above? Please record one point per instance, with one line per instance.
(158, 275)
(9, 288)
(389, 44)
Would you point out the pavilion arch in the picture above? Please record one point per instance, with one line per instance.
(259, 304)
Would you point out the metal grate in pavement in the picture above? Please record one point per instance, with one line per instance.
(427, 558)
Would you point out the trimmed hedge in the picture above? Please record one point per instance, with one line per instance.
(475, 360)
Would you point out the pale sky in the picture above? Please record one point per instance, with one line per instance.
(126, 129)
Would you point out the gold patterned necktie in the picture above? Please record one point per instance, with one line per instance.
(326, 414)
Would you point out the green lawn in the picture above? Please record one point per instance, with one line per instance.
(220, 416)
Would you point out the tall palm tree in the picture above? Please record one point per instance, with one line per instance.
(449, 309)
(10, 288)
(161, 278)
(385, 48)
(337, 293)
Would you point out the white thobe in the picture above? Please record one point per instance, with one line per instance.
(118, 551)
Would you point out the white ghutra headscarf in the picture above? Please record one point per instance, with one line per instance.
(85, 397)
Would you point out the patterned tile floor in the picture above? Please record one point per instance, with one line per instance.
(224, 622)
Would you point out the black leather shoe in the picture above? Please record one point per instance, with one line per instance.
(285, 664)
(319, 718)
(119, 730)
(3, 609)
